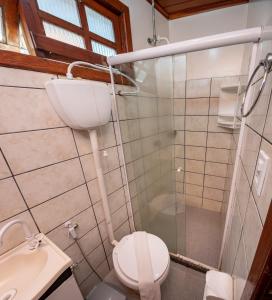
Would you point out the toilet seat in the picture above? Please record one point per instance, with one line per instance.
(125, 263)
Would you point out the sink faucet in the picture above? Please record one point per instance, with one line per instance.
(33, 242)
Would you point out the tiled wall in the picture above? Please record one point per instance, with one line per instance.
(250, 210)
(204, 146)
(48, 176)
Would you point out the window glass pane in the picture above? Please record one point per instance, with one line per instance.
(102, 49)
(2, 30)
(99, 24)
(63, 35)
(22, 43)
(63, 9)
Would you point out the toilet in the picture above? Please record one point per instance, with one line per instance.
(125, 264)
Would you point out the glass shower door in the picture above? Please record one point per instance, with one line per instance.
(148, 138)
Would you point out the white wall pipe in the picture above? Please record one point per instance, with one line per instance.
(102, 185)
(243, 36)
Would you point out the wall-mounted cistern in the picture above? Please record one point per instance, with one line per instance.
(33, 242)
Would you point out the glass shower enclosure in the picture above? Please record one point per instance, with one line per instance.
(179, 153)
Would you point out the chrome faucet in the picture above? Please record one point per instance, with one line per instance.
(32, 241)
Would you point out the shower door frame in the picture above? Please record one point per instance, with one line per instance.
(252, 35)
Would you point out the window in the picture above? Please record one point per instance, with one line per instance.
(77, 29)
(2, 28)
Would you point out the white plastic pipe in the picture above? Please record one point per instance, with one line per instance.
(250, 35)
(102, 185)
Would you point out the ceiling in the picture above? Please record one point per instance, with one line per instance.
(173, 9)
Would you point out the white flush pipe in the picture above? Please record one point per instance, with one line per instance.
(69, 75)
(102, 185)
(249, 35)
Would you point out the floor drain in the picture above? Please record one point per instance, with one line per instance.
(9, 295)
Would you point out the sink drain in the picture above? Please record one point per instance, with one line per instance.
(9, 295)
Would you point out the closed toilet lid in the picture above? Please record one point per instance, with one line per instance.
(126, 256)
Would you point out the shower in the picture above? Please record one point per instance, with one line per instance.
(178, 153)
(155, 39)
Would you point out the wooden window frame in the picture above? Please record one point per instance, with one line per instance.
(43, 46)
(11, 25)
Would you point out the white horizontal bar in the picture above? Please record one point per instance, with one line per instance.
(213, 41)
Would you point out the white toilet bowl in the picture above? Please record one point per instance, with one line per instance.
(125, 264)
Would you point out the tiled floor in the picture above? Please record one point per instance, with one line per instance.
(203, 235)
(181, 284)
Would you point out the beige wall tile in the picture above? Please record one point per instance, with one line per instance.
(179, 137)
(217, 155)
(268, 124)
(122, 231)
(252, 230)
(113, 180)
(212, 205)
(26, 109)
(179, 107)
(196, 123)
(94, 190)
(90, 241)
(193, 201)
(82, 142)
(196, 138)
(85, 220)
(214, 182)
(179, 123)
(197, 153)
(194, 166)
(107, 135)
(45, 183)
(249, 151)
(197, 107)
(127, 107)
(30, 150)
(257, 118)
(88, 166)
(99, 211)
(243, 191)
(116, 200)
(15, 235)
(214, 104)
(219, 140)
(198, 88)
(179, 89)
(110, 159)
(195, 190)
(213, 194)
(240, 272)
(62, 208)
(87, 285)
(194, 178)
(4, 170)
(179, 151)
(23, 78)
(119, 217)
(216, 169)
(11, 200)
(97, 256)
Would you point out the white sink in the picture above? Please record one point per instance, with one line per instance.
(26, 274)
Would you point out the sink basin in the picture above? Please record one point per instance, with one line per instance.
(27, 274)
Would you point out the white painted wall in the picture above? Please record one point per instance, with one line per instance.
(141, 23)
(219, 62)
(213, 22)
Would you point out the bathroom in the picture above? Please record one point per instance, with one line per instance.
(135, 149)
